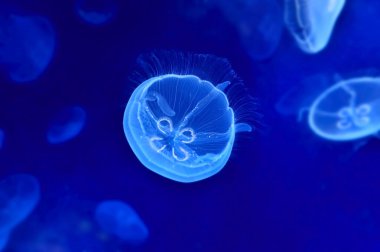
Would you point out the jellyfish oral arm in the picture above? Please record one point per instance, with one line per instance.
(222, 86)
(243, 127)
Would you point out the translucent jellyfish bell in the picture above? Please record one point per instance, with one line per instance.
(118, 218)
(19, 194)
(96, 12)
(2, 138)
(179, 124)
(348, 110)
(26, 46)
(259, 24)
(66, 124)
(311, 22)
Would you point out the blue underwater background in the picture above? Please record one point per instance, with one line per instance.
(284, 188)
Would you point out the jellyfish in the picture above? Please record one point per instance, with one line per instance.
(4, 238)
(96, 12)
(259, 24)
(295, 100)
(347, 110)
(311, 23)
(118, 218)
(19, 195)
(2, 138)
(26, 46)
(178, 121)
(192, 9)
(66, 124)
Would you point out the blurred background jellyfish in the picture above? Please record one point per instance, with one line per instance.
(26, 46)
(259, 24)
(118, 218)
(178, 121)
(295, 99)
(66, 125)
(2, 138)
(311, 23)
(96, 12)
(19, 195)
(347, 110)
(192, 9)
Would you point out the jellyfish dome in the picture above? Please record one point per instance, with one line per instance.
(96, 12)
(348, 110)
(2, 138)
(27, 46)
(259, 24)
(118, 218)
(66, 125)
(179, 123)
(311, 22)
(19, 195)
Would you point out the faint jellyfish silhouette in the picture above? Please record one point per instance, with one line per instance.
(311, 23)
(19, 195)
(66, 124)
(26, 46)
(347, 110)
(177, 122)
(259, 24)
(4, 238)
(295, 100)
(192, 9)
(96, 12)
(118, 218)
(2, 138)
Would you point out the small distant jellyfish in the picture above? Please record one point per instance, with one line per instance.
(259, 23)
(66, 125)
(96, 12)
(2, 138)
(118, 218)
(311, 22)
(178, 121)
(192, 9)
(27, 46)
(19, 195)
(348, 110)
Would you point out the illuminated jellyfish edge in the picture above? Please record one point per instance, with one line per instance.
(342, 137)
(143, 154)
(303, 40)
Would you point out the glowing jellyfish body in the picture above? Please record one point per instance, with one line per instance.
(348, 110)
(66, 125)
(181, 126)
(19, 194)
(118, 218)
(96, 12)
(312, 22)
(27, 45)
(259, 24)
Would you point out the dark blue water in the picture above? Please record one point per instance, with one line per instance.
(283, 189)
